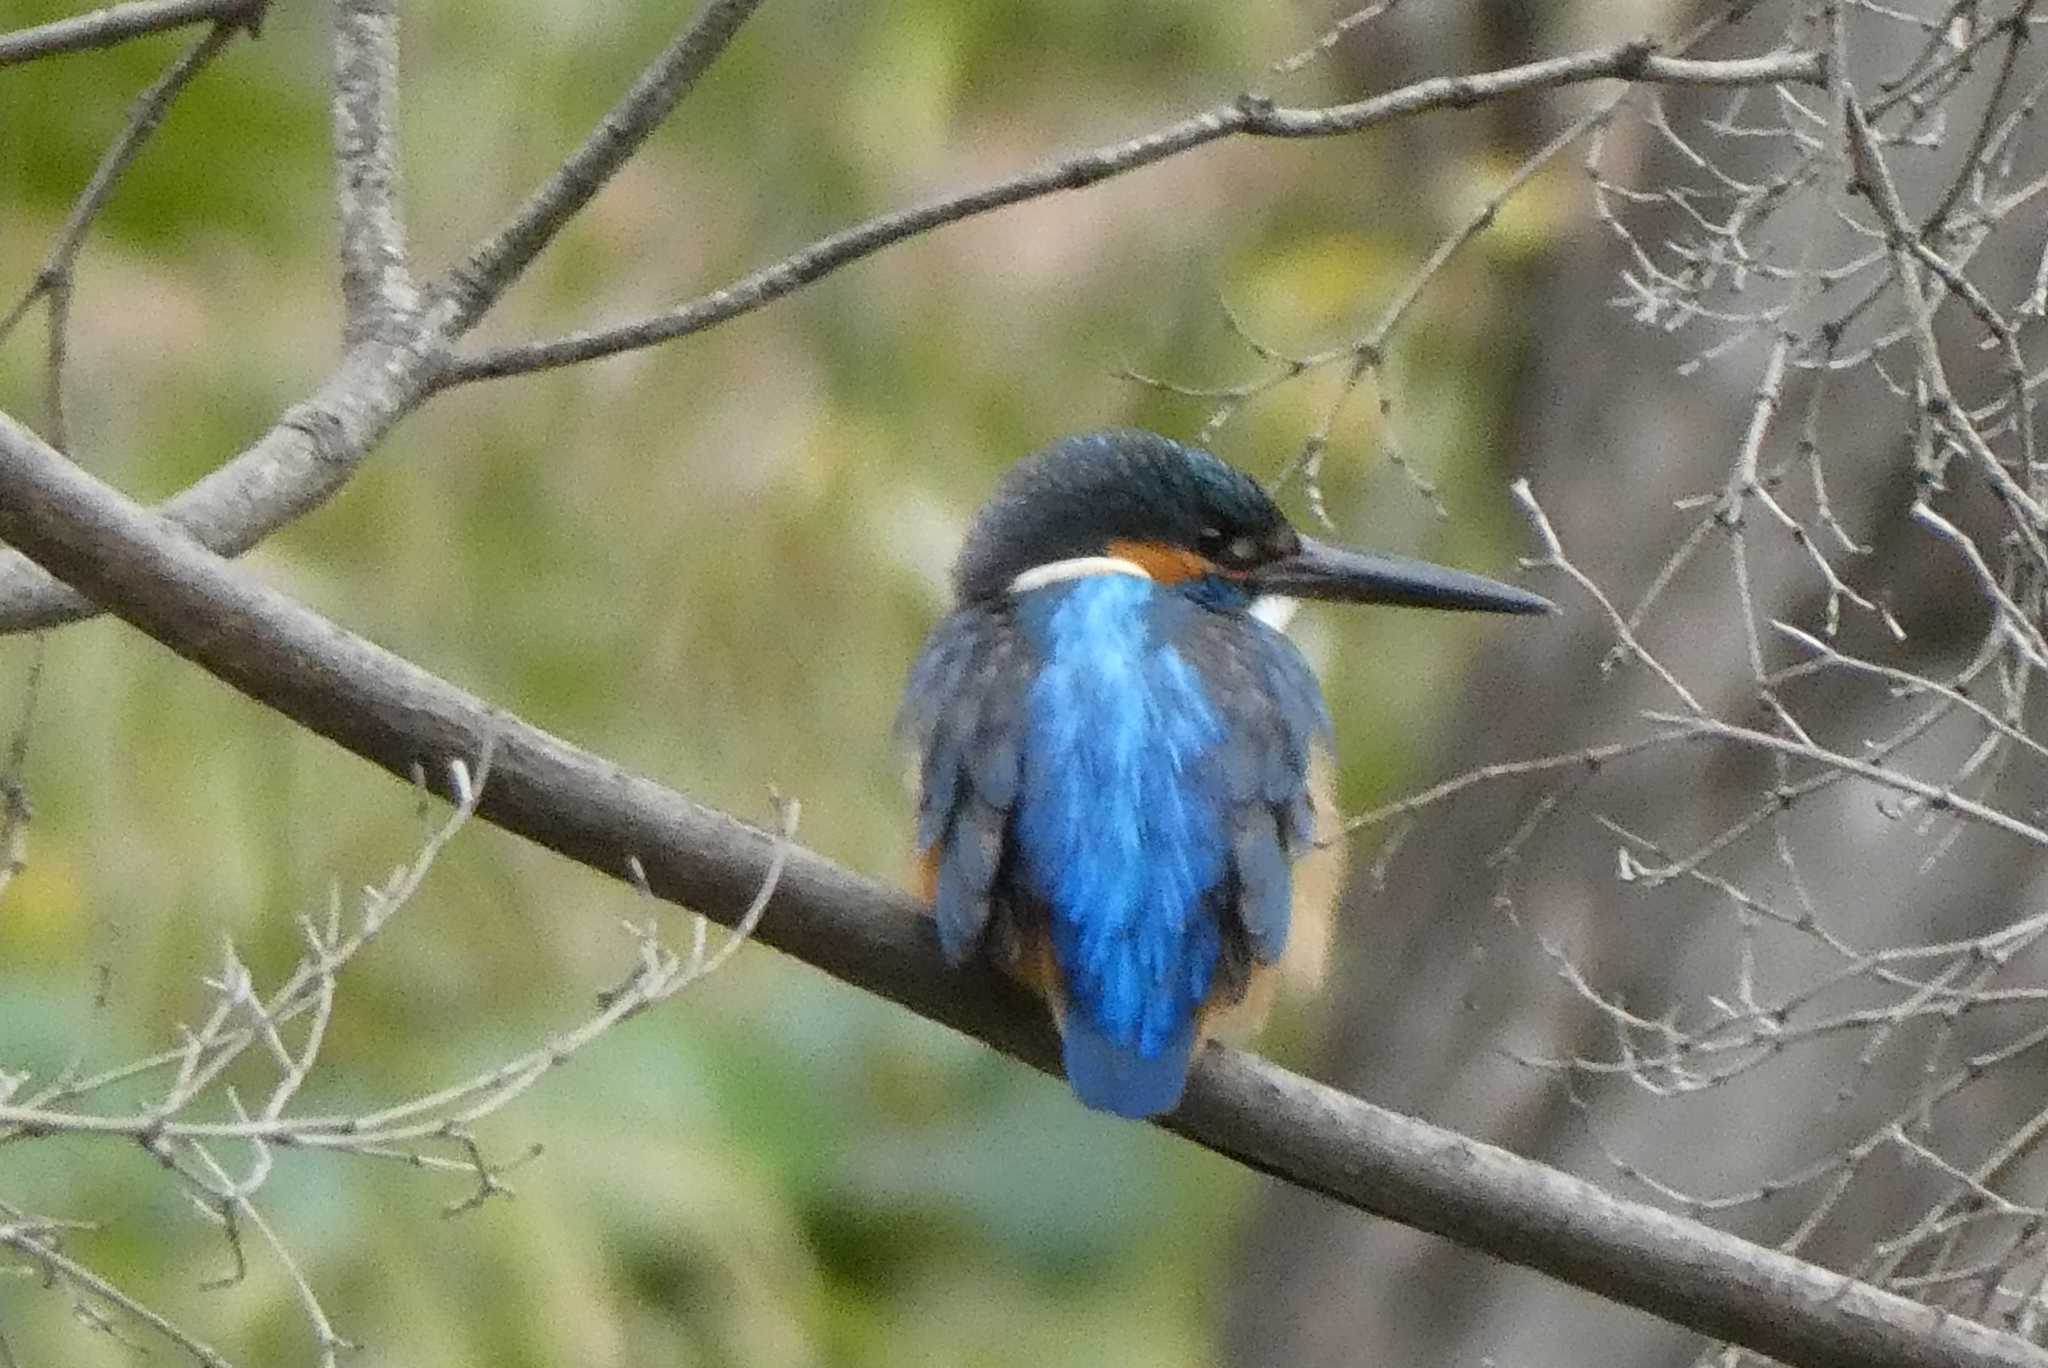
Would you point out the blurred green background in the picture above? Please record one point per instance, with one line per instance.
(713, 563)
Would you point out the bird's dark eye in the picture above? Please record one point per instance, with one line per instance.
(1232, 550)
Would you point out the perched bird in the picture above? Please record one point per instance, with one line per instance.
(1125, 771)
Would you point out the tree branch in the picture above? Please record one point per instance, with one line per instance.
(376, 275)
(1633, 61)
(118, 23)
(473, 285)
(35, 1244)
(55, 277)
(317, 446)
(392, 712)
(1249, 115)
(1874, 178)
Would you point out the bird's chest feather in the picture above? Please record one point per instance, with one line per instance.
(1120, 832)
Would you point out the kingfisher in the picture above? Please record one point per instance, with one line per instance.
(1125, 767)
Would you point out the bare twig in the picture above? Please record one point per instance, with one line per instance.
(1940, 798)
(1874, 175)
(2016, 37)
(242, 1020)
(54, 278)
(474, 284)
(1554, 558)
(441, 1113)
(1329, 38)
(118, 23)
(34, 1242)
(328, 1342)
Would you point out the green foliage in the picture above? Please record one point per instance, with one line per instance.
(712, 562)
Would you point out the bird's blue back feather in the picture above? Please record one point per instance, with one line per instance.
(1121, 832)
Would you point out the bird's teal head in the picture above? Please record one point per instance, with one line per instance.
(1134, 502)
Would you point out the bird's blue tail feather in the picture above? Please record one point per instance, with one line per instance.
(1113, 1077)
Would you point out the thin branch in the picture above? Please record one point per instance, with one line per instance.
(376, 276)
(435, 1115)
(1249, 115)
(1908, 682)
(1632, 61)
(475, 284)
(1588, 760)
(34, 1243)
(54, 277)
(2016, 25)
(2017, 623)
(329, 1342)
(1331, 36)
(1628, 643)
(1875, 178)
(392, 712)
(1935, 795)
(118, 23)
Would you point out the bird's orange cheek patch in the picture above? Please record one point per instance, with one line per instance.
(1167, 564)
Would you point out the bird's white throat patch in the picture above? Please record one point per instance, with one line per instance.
(1075, 567)
(1275, 610)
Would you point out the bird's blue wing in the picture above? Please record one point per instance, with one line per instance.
(961, 713)
(1273, 719)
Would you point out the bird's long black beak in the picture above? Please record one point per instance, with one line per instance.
(1320, 570)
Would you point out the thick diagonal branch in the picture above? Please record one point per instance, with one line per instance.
(397, 715)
